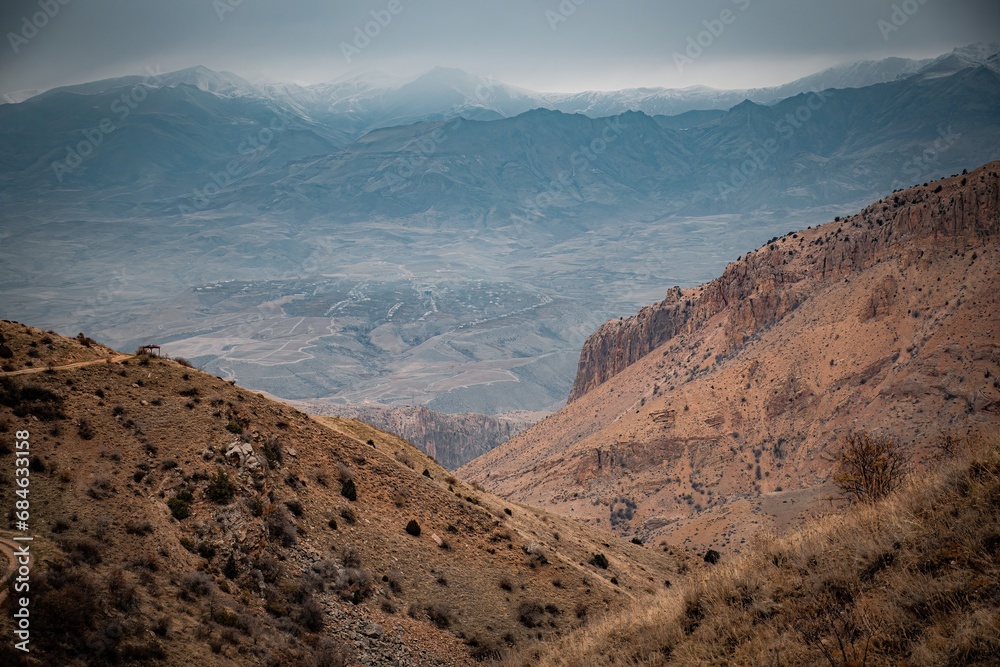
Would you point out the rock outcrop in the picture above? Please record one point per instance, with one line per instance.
(727, 403)
(452, 439)
(766, 285)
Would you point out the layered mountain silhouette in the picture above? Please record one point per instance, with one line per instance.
(499, 159)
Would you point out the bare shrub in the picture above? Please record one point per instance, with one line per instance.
(332, 653)
(350, 557)
(440, 614)
(870, 466)
(273, 452)
(354, 585)
(122, 592)
(197, 584)
(348, 515)
(310, 615)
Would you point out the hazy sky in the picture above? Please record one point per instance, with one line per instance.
(548, 45)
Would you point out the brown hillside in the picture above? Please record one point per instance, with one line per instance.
(158, 540)
(913, 580)
(24, 349)
(717, 411)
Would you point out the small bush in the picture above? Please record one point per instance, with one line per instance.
(440, 614)
(281, 527)
(230, 570)
(273, 452)
(600, 560)
(413, 528)
(530, 614)
(310, 615)
(141, 529)
(85, 430)
(712, 556)
(197, 584)
(179, 508)
(30, 400)
(256, 506)
(221, 489)
(83, 550)
(36, 464)
(349, 490)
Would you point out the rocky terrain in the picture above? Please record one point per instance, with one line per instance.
(717, 411)
(179, 519)
(450, 439)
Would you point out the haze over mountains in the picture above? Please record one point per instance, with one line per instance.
(441, 242)
(631, 333)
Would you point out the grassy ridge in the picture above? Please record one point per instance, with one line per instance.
(911, 580)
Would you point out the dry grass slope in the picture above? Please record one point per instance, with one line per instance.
(179, 519)
(912, 580)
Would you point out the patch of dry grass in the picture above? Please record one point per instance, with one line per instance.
(913, 580)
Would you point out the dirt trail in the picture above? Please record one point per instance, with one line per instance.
(79, 364)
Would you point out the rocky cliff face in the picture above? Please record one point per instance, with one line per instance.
(721, 409)
(766, 285)
(452, 439)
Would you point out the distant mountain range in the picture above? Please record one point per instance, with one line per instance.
(372, 100)
(490, 152)
(507, 229)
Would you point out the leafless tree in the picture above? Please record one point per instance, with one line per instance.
(870, 466)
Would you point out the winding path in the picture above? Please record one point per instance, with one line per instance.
(79, 364)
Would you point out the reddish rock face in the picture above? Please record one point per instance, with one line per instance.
(766, 285)
(721, 409)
